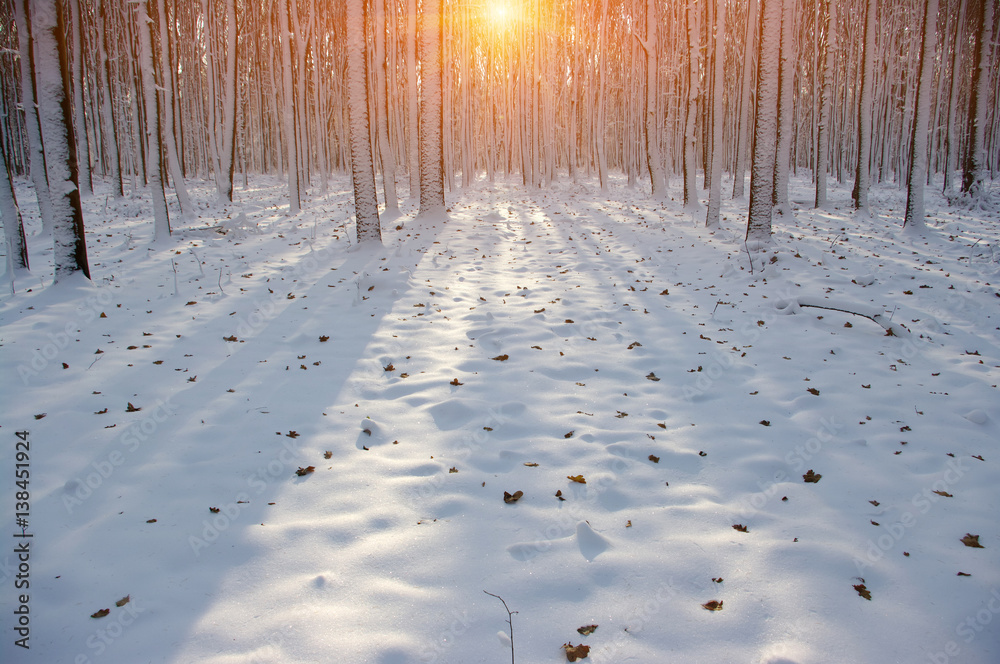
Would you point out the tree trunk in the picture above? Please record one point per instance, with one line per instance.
(107, 107)
(715, 188)
(154, 144)
(412, 116)
(56, 114)
(362, 167)
(168, 135)
(951, 130)
(654, 162)
(786, 103)
(288, 107)
(765, 125)
(974, 171)
(431, 113)
(742, 135)
(690, 135)
(826, 105)
(381, 97)
(83, 141)
(917, 180)
(13, 228)
(862, 177)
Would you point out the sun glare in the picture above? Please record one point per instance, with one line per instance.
(499, 12)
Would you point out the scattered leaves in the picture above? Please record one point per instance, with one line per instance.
(305, 471)
(568, 434)
(190, 303)
(634, 344)
(213, 510)
(972, 541)
(530, 464)
(654, 458)
(576, 478)
(123, 601)
(713, 605)
(963, 574)
(150, 520)
(293, 434)
(652, 376)
(944, 493)
(740, 527)
(328, 454)
(810, 476)
(232, 338)
(132, 409)
(813, 391)
(717, 579)
(586, 630)
(512, 497)
(453, 469)
(324, 338)
(574, 653)
(389, 367)
(501, 358)
(40, 416)
(766, 423)
(101, 613)
(864, 592)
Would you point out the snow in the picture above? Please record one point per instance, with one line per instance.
(383, 554)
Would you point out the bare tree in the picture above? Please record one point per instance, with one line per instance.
(862, 171)
(367, 226)
(917, 179)
(765, 125)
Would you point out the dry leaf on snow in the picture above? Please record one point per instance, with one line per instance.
(305, 471)
(586, 630)
(713, 605)
(810, 476)
(972, 541)
(512, 497)
(574, 653)
(579, 479)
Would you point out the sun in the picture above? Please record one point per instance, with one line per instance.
(499, 12)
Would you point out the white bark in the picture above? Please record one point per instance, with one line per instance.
(862, 177)
(715, 178)
(691, 114)
(288, 108)
(786, 100)
(154, 146)
(386, 157)
(431, 112)
(742, 135)
(362, 166)
(765, 125)
(826, 104)
(916, 182)
(974, 172)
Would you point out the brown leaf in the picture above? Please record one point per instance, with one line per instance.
(665, 292)
(972, 541)
(652, 376)
(568, 434)
(740, 527)
(512, 497)
(100, 412)
(577, 478)
(132, 409)
(293, 434)
(389, 368)
(305, 471)
(766, 423)
(574, 653)
(662, 425)
(654, 458)
(150, 520)
(530, 464)
(454, 381)
(559, 494)
(813, 391)
(501, 358)
(714, 605)
(232, 338)
(634, 344)
(864, 592)
(190, 303)
(717, 579)
(569, 320)
(123, 601)
(213, 510)
(328, 454)
(944, 493)
(324, 338)
(586, 630)
(963, 574)
(101, 613)
(453, 469)
(810, 476)
(40, 416)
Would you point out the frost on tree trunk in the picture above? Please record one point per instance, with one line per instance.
(974, 170)
(690, 135)
(412, 149)
(83, 142)
(715, 188)
(862, 177)
(32, 121)
(786, 100)
(154, 144)
(223, 133)
(362, 167)
(13, 228)
(742, 139)
(56, 116)
(951, 131)
(381, 97)
(654, 161)
(765, 125)
(167, 134)
(107, 119)
(826, 104)
(431, 115)
(916, 181)
(288, 108)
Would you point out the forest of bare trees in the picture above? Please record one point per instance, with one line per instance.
(433, 94)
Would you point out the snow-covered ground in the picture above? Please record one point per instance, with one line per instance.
(531, 338)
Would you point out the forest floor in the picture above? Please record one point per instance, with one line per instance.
(531, 343)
